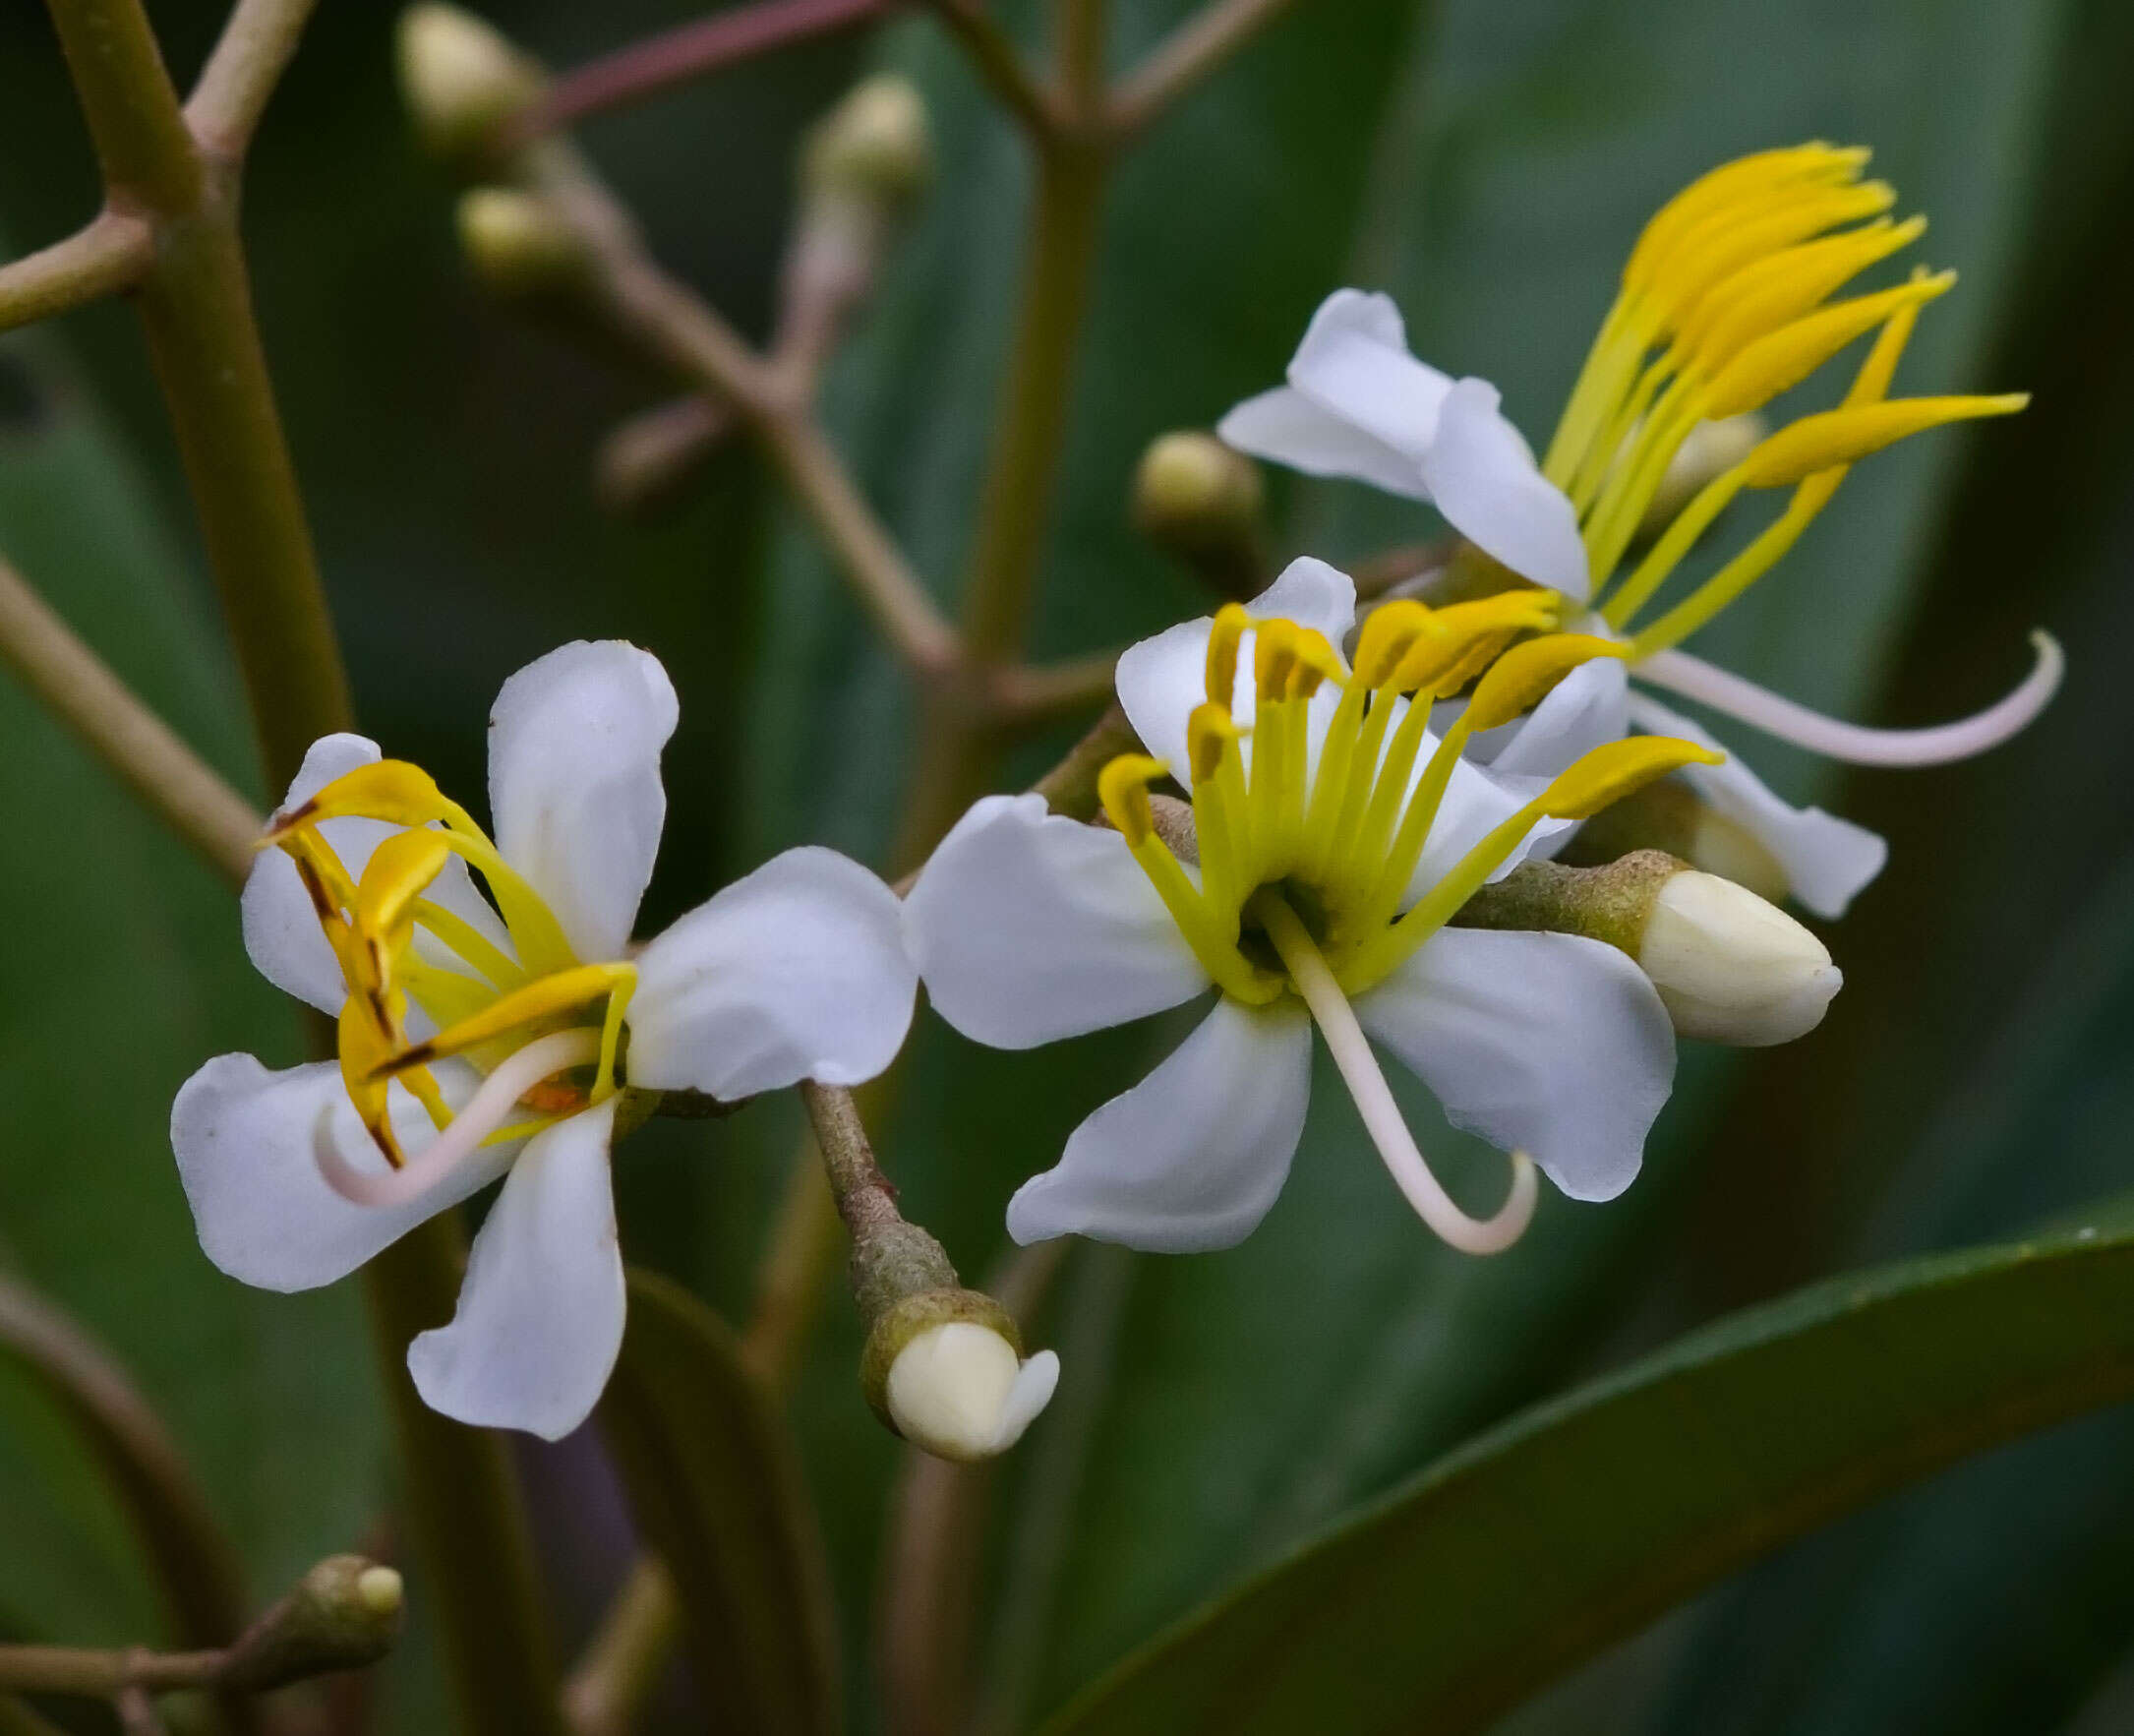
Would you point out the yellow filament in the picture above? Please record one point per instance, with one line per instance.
(1675, 541)
(470, 943)
(546, 997)
(1216, 950)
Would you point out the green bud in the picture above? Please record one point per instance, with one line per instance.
(517, 244)
(874, 146)
(462, 82)
(1201, 501)
(344, 1613)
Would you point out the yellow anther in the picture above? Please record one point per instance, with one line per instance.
(1842, 436)
(1617, 769)
(362, 1045)
(1123, 789)
(544, 999)
(1209, 736)
(395, 878)
(1387, 633)
(1464, 637)
(1725, 241)
(1727, 186)
(1528, 673)
(1274, 659)
(1227, 632)
(1782, 359)
(1781, 287)
(388, 790)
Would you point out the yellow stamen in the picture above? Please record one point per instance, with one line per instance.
(546, 997)
(1846, 435)
(1230, 626)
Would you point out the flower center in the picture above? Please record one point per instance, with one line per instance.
(527, 1015)
(1333, 808)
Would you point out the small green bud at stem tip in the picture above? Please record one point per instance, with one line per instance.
(1201, 501)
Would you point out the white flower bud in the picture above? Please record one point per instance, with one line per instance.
(462, 79)
(1730, 966)
(959, 1391)
(874, 146)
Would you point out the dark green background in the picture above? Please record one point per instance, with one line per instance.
(1486, 160)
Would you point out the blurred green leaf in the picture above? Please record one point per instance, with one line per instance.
(122, 972)
(1574, 1524)
(717, 1493)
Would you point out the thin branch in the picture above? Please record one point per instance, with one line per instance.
(1031, 693)
(606, 1691)
(79, 687)
(1081, 36)
(107, 256)
(646, 459)
(142, 144)
(675, 327)
(241, 73)
(999, 63)
(687, 51)
(1183, 59)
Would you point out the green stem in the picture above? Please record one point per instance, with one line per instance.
(195, 303)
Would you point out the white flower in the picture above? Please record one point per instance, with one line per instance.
(1725, 304)
(1334, 836)
(500, 1029)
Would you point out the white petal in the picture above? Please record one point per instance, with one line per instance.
(1028, 926)
(798, 970)
(1828, 859)
(1163, 678)
(1192, 1156)
(1588, 707)
(540, 1315)
(1483, 480)
(1548, 1043)
(1354, 361)
(281, 929)
(574, 742)
(243, 1139)
(1285, 426)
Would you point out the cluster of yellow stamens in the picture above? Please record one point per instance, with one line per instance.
(1310, 846)
(488, 1004)
(1724, 305)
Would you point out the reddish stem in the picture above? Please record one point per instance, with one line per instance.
(689, 51)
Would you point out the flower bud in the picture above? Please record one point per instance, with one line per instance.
(1732, 968)
(346, 1612)
(463, 81)
(517, 244)
(1669, 816)
(874, 146)
(945, 1369)
(1728, 966)
(1708, 450)
(1201, 501)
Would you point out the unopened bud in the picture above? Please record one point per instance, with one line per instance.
(462, 82)
(1202, 501)
(1730, 966)
(1710, 449)
(517, 244)
(344, 1613)
(945, 1369)
(874, 146)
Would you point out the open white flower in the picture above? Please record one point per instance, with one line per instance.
(1333, 837)
(502, 1029)
(1725, 304)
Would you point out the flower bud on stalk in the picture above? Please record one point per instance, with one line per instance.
(346, 1612)
(462, 82)
(1200, 500)
(517, 244)
(1728, 966)
(943, 1365)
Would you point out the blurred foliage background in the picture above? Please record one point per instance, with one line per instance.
(1488, 161)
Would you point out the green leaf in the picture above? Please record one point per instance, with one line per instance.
(123, 970)
(713, 1483)
(1572, 1524)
